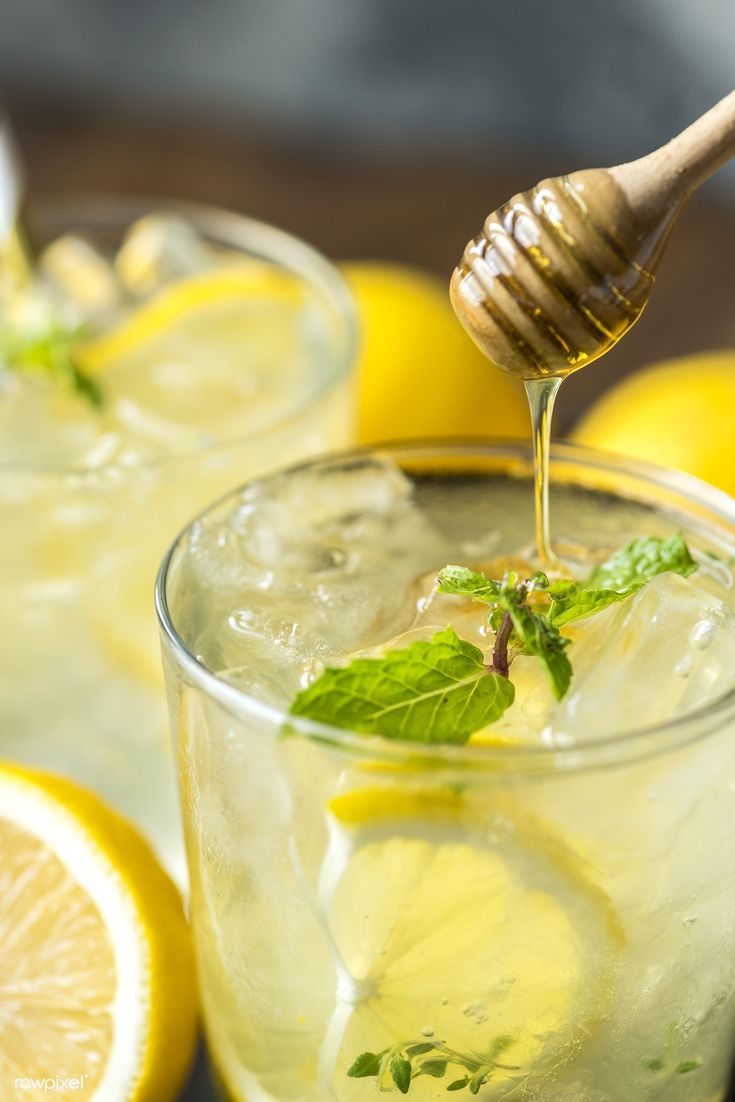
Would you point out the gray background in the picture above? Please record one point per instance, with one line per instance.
(602, 80)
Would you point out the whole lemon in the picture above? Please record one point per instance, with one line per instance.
(419, 372)
(678, 413)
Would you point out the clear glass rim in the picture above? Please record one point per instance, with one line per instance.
(102, 209)
(615, 748)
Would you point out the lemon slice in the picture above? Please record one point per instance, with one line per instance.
(183, 300)
(97, 983)
(460, 923)
(209, 358)
(212, 357)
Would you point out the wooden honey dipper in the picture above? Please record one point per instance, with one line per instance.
(561, 272)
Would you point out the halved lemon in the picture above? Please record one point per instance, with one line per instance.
(459, 920)
(97, 983)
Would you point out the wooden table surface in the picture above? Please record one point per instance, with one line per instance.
(414, 209)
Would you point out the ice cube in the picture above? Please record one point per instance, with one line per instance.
(158, 249)
(658, 655)
(350, 495)
(331, 561)
(81, 275)
(337, 526)
(264, 653)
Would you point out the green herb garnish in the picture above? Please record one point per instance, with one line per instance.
(620, 576)
(570, 601)
(667, 1064)
(686, 1066)
(49, 349)
(443, 690)
(532, 632)
(401, 1064)
(433, 691)
(641, 560)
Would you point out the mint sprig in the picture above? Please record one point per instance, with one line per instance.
(539, 636)
(403, 1063)
(669, 1062)
(515, 623)
(432, 691)
(443, 690)
(49, 350)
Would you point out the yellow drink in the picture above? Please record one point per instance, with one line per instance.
(544, 913)
(213, 366)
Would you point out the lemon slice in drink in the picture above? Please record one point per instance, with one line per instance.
(211, 357)
(463, 923)
(97, 982)
(222, 288)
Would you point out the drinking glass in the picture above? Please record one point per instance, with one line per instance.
(81, 686)
(550, 919)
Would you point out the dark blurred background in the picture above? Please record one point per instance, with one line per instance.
(382, 128)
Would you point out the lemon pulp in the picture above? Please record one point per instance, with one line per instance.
(462, 923)
(97, 983)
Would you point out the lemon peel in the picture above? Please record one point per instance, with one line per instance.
(98, 974)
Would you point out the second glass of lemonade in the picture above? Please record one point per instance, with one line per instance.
(545, 913)
(226, 348)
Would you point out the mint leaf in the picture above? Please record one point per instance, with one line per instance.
(686, 1066)
(83, 384)
(537, 636)
(458, 1084)
(478, 1079)
(463, 582)
(436, 691)
(499, 1045)
(641, 560)
(366, 1065)
(435, 1067)
(400, 1070)
(620, 576)
(420, 1049)
(574, 603)
(49, 350)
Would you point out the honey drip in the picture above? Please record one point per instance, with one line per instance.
(541, 394)
(558, 275)
(561, 272)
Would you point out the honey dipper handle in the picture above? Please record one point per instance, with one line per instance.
(672, 173)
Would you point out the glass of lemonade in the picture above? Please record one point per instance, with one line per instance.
(545, 912)
(218, 347)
